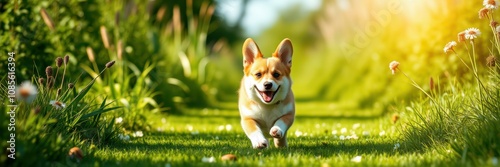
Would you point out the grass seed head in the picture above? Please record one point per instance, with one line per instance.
(490, 61)
(110, 64)
(104, 37)
(41, 81)
(90, 54)
(59, 62)
(66, 60)
(46, 18)
(119, 50)
(48, 71)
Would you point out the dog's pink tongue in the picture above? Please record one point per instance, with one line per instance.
(267, 96)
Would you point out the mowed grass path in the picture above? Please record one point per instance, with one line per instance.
(323, 134)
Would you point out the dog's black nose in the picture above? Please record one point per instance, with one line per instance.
(268, 85)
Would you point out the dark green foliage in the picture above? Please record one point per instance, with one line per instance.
(57, 119)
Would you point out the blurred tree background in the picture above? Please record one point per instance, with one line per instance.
(341, 49)
(172, 56)
(158, 33)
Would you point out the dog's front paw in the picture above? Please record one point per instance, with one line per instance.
(276, 132)
(260, 144)
(258, 140)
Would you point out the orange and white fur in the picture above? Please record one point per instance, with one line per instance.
(266, 101)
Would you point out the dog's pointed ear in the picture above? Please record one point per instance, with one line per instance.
(284, 52)
(250, 52)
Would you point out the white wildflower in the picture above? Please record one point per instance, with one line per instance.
(26, 92)
(356, 159)
(229, 127)
(298, 133)
(138, 134)
(449, 46)
(396, 146)
(221, 127)
(57, 104)
(491, 4)
(356, 126)
(208, 159)
(189, 127)
(119, 120)
(472, 33)
(124, 137)
(343, 130)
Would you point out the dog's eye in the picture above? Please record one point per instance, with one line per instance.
(258, 75)
(276, 75)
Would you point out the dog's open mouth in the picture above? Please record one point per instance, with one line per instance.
(267, 96)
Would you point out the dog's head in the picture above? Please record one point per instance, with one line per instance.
(267, 79)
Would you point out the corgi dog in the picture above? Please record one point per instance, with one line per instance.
(266, 101)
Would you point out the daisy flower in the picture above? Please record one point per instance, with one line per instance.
(472, 33)
(57, 104)
(393, 66)
(449, 46)
(356, 159)
(138, 134)
(26, 92)
(396, 146)
(491, 4)
(483, 13)
(124, 137)
(493, 24)
(119, 120)
(461, 36)
(208, 159)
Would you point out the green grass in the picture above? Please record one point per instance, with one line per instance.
(185, 140)
(163, 67)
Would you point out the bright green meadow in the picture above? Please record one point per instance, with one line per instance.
(155, 83)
